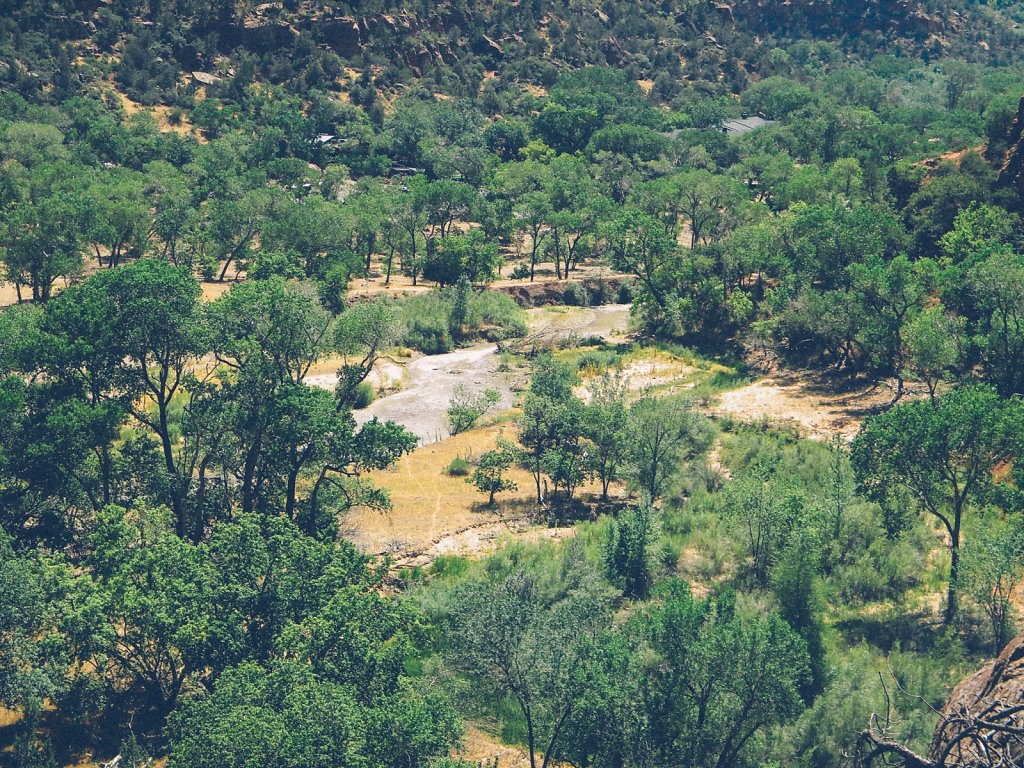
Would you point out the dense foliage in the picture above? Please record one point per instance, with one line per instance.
(315, 188)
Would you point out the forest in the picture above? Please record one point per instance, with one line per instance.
(395, 384)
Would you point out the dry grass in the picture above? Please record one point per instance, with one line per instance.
(428, 504)
(482, 748)
(434, 514)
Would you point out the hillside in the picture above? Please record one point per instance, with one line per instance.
(570, 384)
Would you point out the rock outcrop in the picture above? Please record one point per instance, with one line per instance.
(983, 718)
(981, 724)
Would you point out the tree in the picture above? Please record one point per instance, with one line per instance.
(466, 408)
(549, 428)
(663, 433)
(466, 256)
(997, 286)
(530, 647)
(717, 679)
(797, 587)
(641, 246)
(935, 346)
(942, 455)
(42, 239)
(891, 295)
(34, 654)
(992, 567)
(605, 420)
(144, 613)
(160, 335)
(362, 334)
(627, 550)
(291, 717)
(269, 334)
(489, 474)
(767, 510)
(961, 77)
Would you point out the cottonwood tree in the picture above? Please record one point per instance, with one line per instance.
(941, 456)
(530, 647)
(663, 433)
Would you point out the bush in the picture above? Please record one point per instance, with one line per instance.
(467, 407)
(458, 467)
(363, 395)
(521, 272)
(427, 318)
(575, 295)
(625, 293)
(628, 550)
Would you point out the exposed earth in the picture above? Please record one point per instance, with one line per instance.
(427, 383)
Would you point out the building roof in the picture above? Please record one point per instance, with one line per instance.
(744, 125)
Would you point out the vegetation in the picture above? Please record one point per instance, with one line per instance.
(218, 219)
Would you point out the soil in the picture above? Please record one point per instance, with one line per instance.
(803, 401)
(484, 749)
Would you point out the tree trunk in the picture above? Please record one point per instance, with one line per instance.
(954, 573)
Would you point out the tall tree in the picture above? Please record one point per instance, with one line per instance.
(939, 457)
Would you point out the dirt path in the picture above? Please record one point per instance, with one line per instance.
(427, 383)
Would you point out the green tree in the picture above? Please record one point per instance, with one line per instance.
(42, 239)
(936, 344)
(997, 286)
(992, 567)
(489, 475)
(942, 455)
(766, 509)
(605, 419)
(466, 407)
(627, 550)
(143, 614)
(663, 434)
(797, 586)
(531, 648)
(718, 679)
(34, 653)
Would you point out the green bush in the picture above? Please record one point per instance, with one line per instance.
(363, 396)
(625, 293)
(458, 467)
(520, 272)
(427, 319)
(575, 295)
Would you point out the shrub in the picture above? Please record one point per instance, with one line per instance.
(467, 407)
(628, 550)
(363, 395)
(458, 467)
(575, 295)
(625, 293)
(520, 272)
(427, 318)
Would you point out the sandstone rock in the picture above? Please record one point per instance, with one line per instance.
(984, 715)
